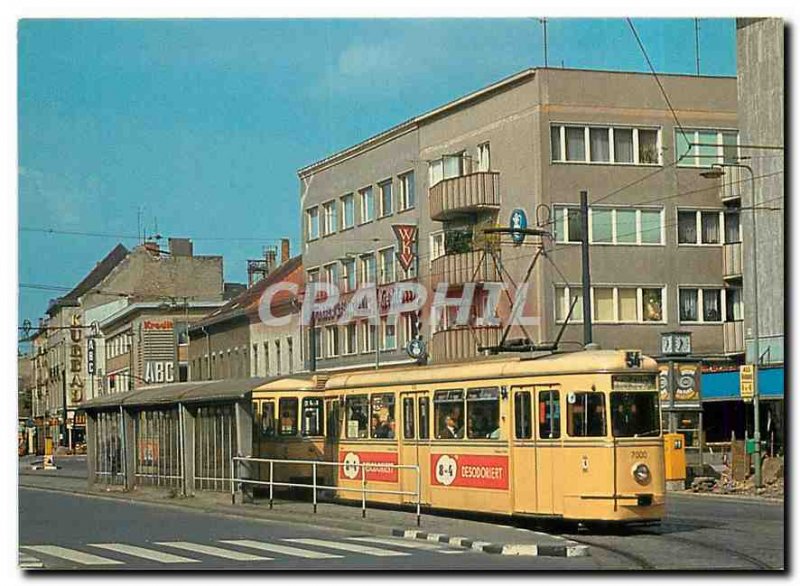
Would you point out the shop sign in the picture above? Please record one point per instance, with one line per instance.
(159, 372)
(158, 325)
(687, 387)
(470, 471)
(76, 360)
(379, 466)
(406, 236)
(747, 378)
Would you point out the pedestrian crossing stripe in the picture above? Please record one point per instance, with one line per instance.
(72, 555)
(142, 552)
(27, 562)
(283, 549)
(352, 547)
(219, 552)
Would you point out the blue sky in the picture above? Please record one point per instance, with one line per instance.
(204, 123)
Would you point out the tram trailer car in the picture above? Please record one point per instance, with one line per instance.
(575, 436)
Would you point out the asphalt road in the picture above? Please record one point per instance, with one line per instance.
(65, 532)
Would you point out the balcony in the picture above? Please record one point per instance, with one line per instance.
(470, 193)
(733, 337)
(465, 267)
(732, 184)
(458, 344)
(732, 261)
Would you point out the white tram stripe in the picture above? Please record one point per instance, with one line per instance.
(353, 547)
(284, 549)
(72, 555)
(214, 551)
(399, 542)
(143, 552)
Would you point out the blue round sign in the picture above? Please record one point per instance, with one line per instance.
(415, 348)
(518, 221)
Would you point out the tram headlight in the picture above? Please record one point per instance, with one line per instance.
(641, 473)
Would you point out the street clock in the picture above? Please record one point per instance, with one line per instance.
(676, 343)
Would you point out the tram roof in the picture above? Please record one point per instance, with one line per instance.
(506, 367)
(314, 382)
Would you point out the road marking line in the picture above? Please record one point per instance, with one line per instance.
(27, 561)
(143, 552)
(349, 547)
(284, 549)
(214, 551)
(401, 543)
(72, 555)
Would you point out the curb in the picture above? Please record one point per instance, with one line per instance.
(747, 498)
(568, 550)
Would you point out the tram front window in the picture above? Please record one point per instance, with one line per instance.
(634, 414)
(586, 416)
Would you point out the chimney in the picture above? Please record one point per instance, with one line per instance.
(181, 247)
(284, 250)
(270, 253)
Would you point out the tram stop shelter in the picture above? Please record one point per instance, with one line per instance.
(180, 436)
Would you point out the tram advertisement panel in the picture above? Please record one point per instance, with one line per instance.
(470, 470)
(374, 463)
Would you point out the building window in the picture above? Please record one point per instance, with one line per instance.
(349, 274)
(255, 360)
(484, 158)
(367, 203)
(388, 333)
(332, 274)
(732, 228)
(437, 244)
(564, 295)
(290, 355)
(348, 211)
(312, 223)
(277, 357)
(733, 304)
(705, 304)
(447, 167)
(387, 265)
(612, 304)
(332, 340)
(705, 224)
(350, 339)
(368, 268)
(312, 275)
(368, 335)
(711, 147)
(409, 327)
(605, 144)
(407, 193)
(329, 218)
(317, 342)
(639, 226)
(266, 359)
(387, 201)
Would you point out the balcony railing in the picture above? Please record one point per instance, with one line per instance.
(732, 260)
(465, 267)
(461, 343)
(732, 184)
(733, 337)
(465, 194)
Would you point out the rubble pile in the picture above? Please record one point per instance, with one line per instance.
(771, 476)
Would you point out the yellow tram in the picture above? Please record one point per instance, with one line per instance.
(575, 436)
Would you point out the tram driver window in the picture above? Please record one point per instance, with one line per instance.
(448, 409)
(267, 422)
(424, 417)
(288, 416)
(549, 415)
(586, 414)
(483, 413)
(312, 416)
(356, 410)
(382, 423)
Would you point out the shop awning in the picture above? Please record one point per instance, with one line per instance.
(724, 386)
(174, 393)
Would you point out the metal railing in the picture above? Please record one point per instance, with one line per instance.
(272, 483)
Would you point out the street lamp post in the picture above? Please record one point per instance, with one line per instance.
(715, 173)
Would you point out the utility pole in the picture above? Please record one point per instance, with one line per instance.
(697, 43)
(544, 30)
(586, 276)
(312, 344)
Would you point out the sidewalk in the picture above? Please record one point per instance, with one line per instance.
(478, 535)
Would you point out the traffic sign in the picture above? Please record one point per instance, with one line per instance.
(517, 223)
(747, 376)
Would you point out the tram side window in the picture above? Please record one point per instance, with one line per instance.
(312, 416)
(586, 416)
(267, 421)
(288, 412)
(408, 418)
(483, 413)
(522, 415)
(424, 417)
(448, 413)
(356, 408)
(382, 423)
(549, 415)
(332, 428)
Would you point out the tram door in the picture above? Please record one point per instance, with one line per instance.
(414, 444)
(332, 425)
(548, 448)
(523, 451)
